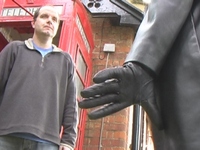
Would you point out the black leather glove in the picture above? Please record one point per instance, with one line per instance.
(118, 88)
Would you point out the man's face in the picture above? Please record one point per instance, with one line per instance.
(47, 22)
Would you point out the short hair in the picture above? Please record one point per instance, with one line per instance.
(36, 13)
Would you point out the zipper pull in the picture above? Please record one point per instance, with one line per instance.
(42, 63)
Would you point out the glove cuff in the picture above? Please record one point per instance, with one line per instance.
(143, 67)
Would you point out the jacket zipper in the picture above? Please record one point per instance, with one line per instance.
(42, 62)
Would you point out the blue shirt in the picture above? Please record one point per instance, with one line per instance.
(43, 51)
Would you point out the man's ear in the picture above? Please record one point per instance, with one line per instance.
(33, 24)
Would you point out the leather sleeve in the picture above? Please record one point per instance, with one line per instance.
(158, 31)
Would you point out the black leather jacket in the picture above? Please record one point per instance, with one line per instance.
(167, 42)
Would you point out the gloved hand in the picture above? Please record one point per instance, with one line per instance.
(118, 88)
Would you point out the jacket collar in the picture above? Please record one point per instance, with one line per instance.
(29, 44)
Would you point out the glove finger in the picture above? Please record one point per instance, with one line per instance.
(100, 89)
(107, 110)
(107, 74)
(98, 101)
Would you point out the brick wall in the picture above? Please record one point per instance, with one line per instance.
(111, 133)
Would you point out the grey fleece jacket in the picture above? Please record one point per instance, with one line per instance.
(38, 95)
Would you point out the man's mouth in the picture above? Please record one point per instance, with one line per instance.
(48, 27)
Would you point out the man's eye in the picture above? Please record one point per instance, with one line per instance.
(55, 19)
(44, 16)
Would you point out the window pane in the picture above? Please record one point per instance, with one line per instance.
(81, 66)
(79, 86)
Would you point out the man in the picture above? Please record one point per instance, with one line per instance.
(37, 90)
(161, 73)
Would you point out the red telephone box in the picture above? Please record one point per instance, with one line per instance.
(74, 36)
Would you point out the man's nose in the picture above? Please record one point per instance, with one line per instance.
(49, 21)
